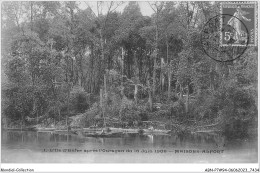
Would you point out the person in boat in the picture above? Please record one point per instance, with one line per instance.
(102, 132)
(151, 128)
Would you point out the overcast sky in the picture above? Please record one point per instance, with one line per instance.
(144, 6)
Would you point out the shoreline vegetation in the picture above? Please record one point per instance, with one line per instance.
(70, 69)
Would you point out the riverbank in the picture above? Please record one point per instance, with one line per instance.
(16, 145)
(181, 131)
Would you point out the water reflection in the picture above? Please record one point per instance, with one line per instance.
(36, 142)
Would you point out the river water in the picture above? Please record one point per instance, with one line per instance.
(49, 147)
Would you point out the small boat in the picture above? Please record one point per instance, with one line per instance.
(156, 131)
(105, 135)
(40, 129)
(102, 134)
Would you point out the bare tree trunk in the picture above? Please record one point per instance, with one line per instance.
(161, 76)
(188, 97)
(102, 45)
(121, 105)
(68, 105)
(168, 68)
(101, 106)
(181, 91)
(102, 53)
(169, 83)
(135, 94)
(59, 113)
(122, 91)
(122, 72)
(105, 101)
(105, 86)
(150, 99)
(120, 114)
(31, 5)
(156, 55)
(154, 76)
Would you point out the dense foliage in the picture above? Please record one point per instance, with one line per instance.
(120, 68)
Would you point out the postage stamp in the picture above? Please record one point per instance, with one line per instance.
(239, 24)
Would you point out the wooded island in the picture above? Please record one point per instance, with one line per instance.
(69, 67)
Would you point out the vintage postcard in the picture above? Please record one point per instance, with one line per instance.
(170, 85)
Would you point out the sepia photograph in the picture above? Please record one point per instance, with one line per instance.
(129, 82)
